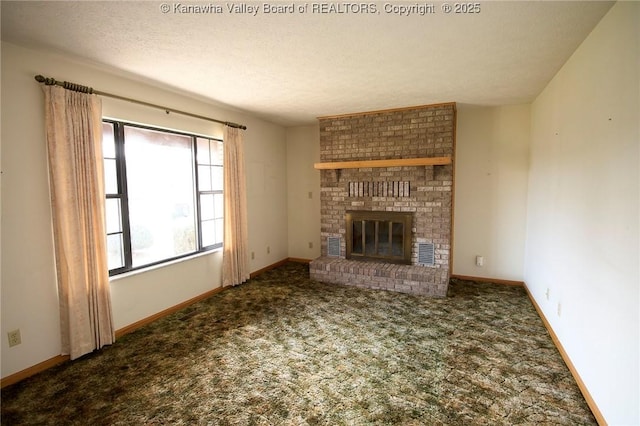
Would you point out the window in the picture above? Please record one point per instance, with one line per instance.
(210, 179)
(164, 195)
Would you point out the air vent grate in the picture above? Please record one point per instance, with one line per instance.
(426, 254)
(333, 246)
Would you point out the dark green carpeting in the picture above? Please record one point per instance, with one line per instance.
(284, 350)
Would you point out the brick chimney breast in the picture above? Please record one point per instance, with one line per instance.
(425, 191)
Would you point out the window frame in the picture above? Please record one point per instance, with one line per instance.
(122, 195)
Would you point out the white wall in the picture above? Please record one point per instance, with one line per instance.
(492, 161)
(266, 167)
(29, 297)
(303, 188)
(582, 242)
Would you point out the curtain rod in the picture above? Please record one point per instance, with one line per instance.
(85, 89)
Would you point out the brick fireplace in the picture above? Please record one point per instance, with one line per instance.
(396, 161)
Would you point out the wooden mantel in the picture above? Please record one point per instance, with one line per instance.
(395, 162)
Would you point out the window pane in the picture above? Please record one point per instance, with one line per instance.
(204, 178)
(217, 153)
(115, 251)
(206, 207)
(110, 177)
(208, 233)
(108, 141)
(160, 189)
(203, 151)
(113, 215)
(219, 230)
(218, 178)
(218, 206)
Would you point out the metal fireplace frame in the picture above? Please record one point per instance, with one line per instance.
(404, 218)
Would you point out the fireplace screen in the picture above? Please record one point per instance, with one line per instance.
(379, 235)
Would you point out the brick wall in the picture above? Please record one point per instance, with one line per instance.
(427, 131)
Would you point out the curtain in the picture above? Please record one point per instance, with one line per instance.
(74, 147)
(235, 260)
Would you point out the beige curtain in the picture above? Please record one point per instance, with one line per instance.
(74, 144)
(235, 260)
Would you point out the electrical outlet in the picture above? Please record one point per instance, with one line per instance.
(253, 255)
(268, 249)
(559, 309)
(479, 260)
(310, 195)
(310, 245)
(547, 293)
(14, 338)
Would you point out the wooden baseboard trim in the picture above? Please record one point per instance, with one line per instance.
(35, 369)
(299, 260)
(583, 388)
(488, 280)
(148, 320)
(268, 268)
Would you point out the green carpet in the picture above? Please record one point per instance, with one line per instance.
(285, 350)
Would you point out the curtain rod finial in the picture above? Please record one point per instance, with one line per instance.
(236, 125)
(48, 81)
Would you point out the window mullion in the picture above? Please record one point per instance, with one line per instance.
(196, 179)
(122, 189)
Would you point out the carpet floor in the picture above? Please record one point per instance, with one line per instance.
(285, 350)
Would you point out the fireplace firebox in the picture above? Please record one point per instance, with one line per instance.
(379, 235)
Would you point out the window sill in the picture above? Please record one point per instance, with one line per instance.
(162, 265)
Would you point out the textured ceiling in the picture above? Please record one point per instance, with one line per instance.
(290, 68)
